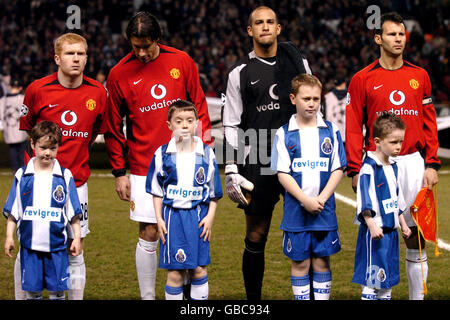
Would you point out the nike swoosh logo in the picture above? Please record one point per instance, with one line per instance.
(254, 82)
(136, 82)
(65, 278)
(333, 242)
(377, 87)
(25, 193)
(52, 105)
(379, 185)
(290, 147)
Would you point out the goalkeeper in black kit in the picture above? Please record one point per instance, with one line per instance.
(256, 105)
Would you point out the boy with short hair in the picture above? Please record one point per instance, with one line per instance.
(184, 180)
(380, 205)
(42, 201)
(309, 156)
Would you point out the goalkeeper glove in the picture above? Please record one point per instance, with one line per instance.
(234, 181)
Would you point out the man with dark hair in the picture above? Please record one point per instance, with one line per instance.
(393, 85)
(257, 100)
(141, 87)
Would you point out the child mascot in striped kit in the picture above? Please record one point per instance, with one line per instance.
(380, 204)
(43, 203)
(309, 157)
(184, 180)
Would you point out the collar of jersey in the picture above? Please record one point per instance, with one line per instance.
(371, 155)
(172, 147)
(294, 126)
(57, 171)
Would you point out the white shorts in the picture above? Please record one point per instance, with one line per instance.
(411, 169)
(141, 202)
(84, 218)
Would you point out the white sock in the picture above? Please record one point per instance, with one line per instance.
(56, 295)
(146, 264)
(300, 287)
(34, 295)
(322, 285)
(199, 288)
(369, 293)
(414, 272)
(384, 294)
(18, 292)
(77, 271)
(174, 293)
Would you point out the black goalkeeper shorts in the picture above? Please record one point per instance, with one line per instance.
(266, 192)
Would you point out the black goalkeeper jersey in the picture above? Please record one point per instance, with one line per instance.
(253, 105)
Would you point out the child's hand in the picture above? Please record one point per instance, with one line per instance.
(207, 227)
(406, 232)
(162, 230)
(313, 205)
(75, 247)
(376, 232)
(9, 246)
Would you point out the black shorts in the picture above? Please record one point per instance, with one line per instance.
(266, 192)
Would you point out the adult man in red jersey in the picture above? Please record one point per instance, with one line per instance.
(77, 104)
(391, 84)
(141, 87)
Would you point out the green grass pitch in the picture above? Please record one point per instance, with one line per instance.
(110, 250)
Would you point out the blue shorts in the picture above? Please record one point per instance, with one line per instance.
(377, 261)
(44, 270)
(299, 246)
(184, 249)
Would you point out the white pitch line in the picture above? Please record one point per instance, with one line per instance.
(441, 243)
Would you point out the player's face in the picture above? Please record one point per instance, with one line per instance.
(264, 28)
(183, 123)
(45, 151)
(72, 59)
(307, 101)
(392, 143)
(392, 41)
(145, 49)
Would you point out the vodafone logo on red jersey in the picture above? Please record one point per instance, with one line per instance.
(158, 92)
(69, 118)
(397, 98)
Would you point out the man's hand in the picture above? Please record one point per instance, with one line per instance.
(123, 187)
(355, 182)
(430, 178)
(234, 181)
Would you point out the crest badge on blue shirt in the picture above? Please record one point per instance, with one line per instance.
(58, 194)
(200, 175)
(326, 146)
(180, 256)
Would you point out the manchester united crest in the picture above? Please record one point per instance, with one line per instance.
(414, 84)
(91, 104)
(175, 73)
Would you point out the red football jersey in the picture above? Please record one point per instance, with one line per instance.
(142, 92)
(405, 92)
(79, 112)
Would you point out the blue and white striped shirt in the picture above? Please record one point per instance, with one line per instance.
(309, 156)
(42, 205)
(379, 192)
(184, 180)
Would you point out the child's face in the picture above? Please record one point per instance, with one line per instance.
(391, 144)
(45, 150)
(307, 101)
(183, 123)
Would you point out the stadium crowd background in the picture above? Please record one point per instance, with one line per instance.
(332, 34)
